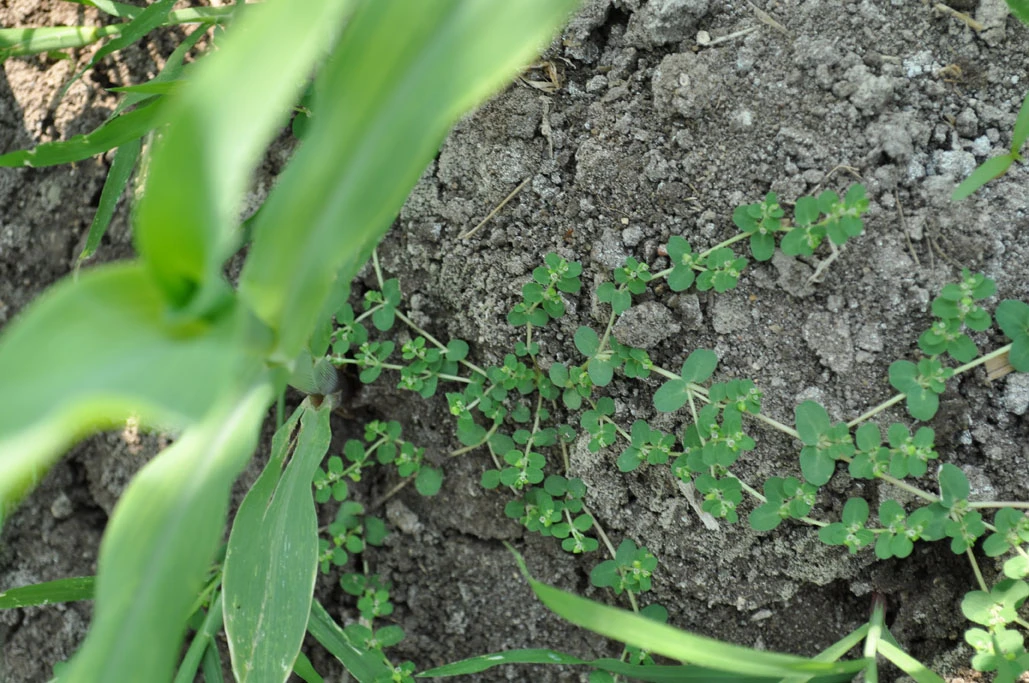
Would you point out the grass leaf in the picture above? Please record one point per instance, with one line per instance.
(984, 173)
(61, 590)
(117, 180)
(365, 666)
(114, 133)
(684, 646)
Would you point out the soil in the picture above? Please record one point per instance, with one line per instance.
(648, 134)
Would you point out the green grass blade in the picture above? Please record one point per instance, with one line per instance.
(160, 542)
(366, 667)
(18, 42)
(402, 73)
(272, 559)
(117, 180)
(305, 670)
(114, 133)
(683, 646)
(186, 222)
(115, 9)
(984, 173)
(836, 650)
(906, 663)
(125, 360)
(143, 23)
(211, 666)
(203, 640)
(652, 673)
(1021, 131)
(171, 71)
(61, 590)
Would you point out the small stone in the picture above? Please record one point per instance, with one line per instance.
(645, 325)
(829, 336)
(61, 508)
(954, 164)
(401, 516)
(1016, 393)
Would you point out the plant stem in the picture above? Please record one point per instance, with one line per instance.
(999, 504)
(975, 569)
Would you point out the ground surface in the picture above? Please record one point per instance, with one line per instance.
(647, 136)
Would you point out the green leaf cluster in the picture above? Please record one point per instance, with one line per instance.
(785, 498)
(954, 309)
(824, 442)
(630, 570)
(541, 298)
(556, 509)
(921, 384)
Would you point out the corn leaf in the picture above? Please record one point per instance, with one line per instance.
(125, 360)
(221, 121)
(272, 558)
(160, 542)
(401, 75)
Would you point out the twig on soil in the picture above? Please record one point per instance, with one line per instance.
(904, 228)
(495, 210)
(704, 38)
(766, 18)
(960, 16)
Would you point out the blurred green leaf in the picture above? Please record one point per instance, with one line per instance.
(160, 543)
(221, 120)
(48, 593)
(17, 42)
(272, 557)
(401, 75)
(1020, 8)
(125, 360)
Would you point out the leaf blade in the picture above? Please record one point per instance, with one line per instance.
(383, 103)
(271, 562)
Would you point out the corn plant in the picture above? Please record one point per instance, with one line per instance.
(166, 338)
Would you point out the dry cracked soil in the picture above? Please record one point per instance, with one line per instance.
(639, 129)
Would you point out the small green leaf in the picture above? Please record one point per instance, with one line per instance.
(587, 341)
(1013, 319)
(699, 366)
(601, 372)
(428, 481)
(954, 485)
(672, 395)
(812, 421)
